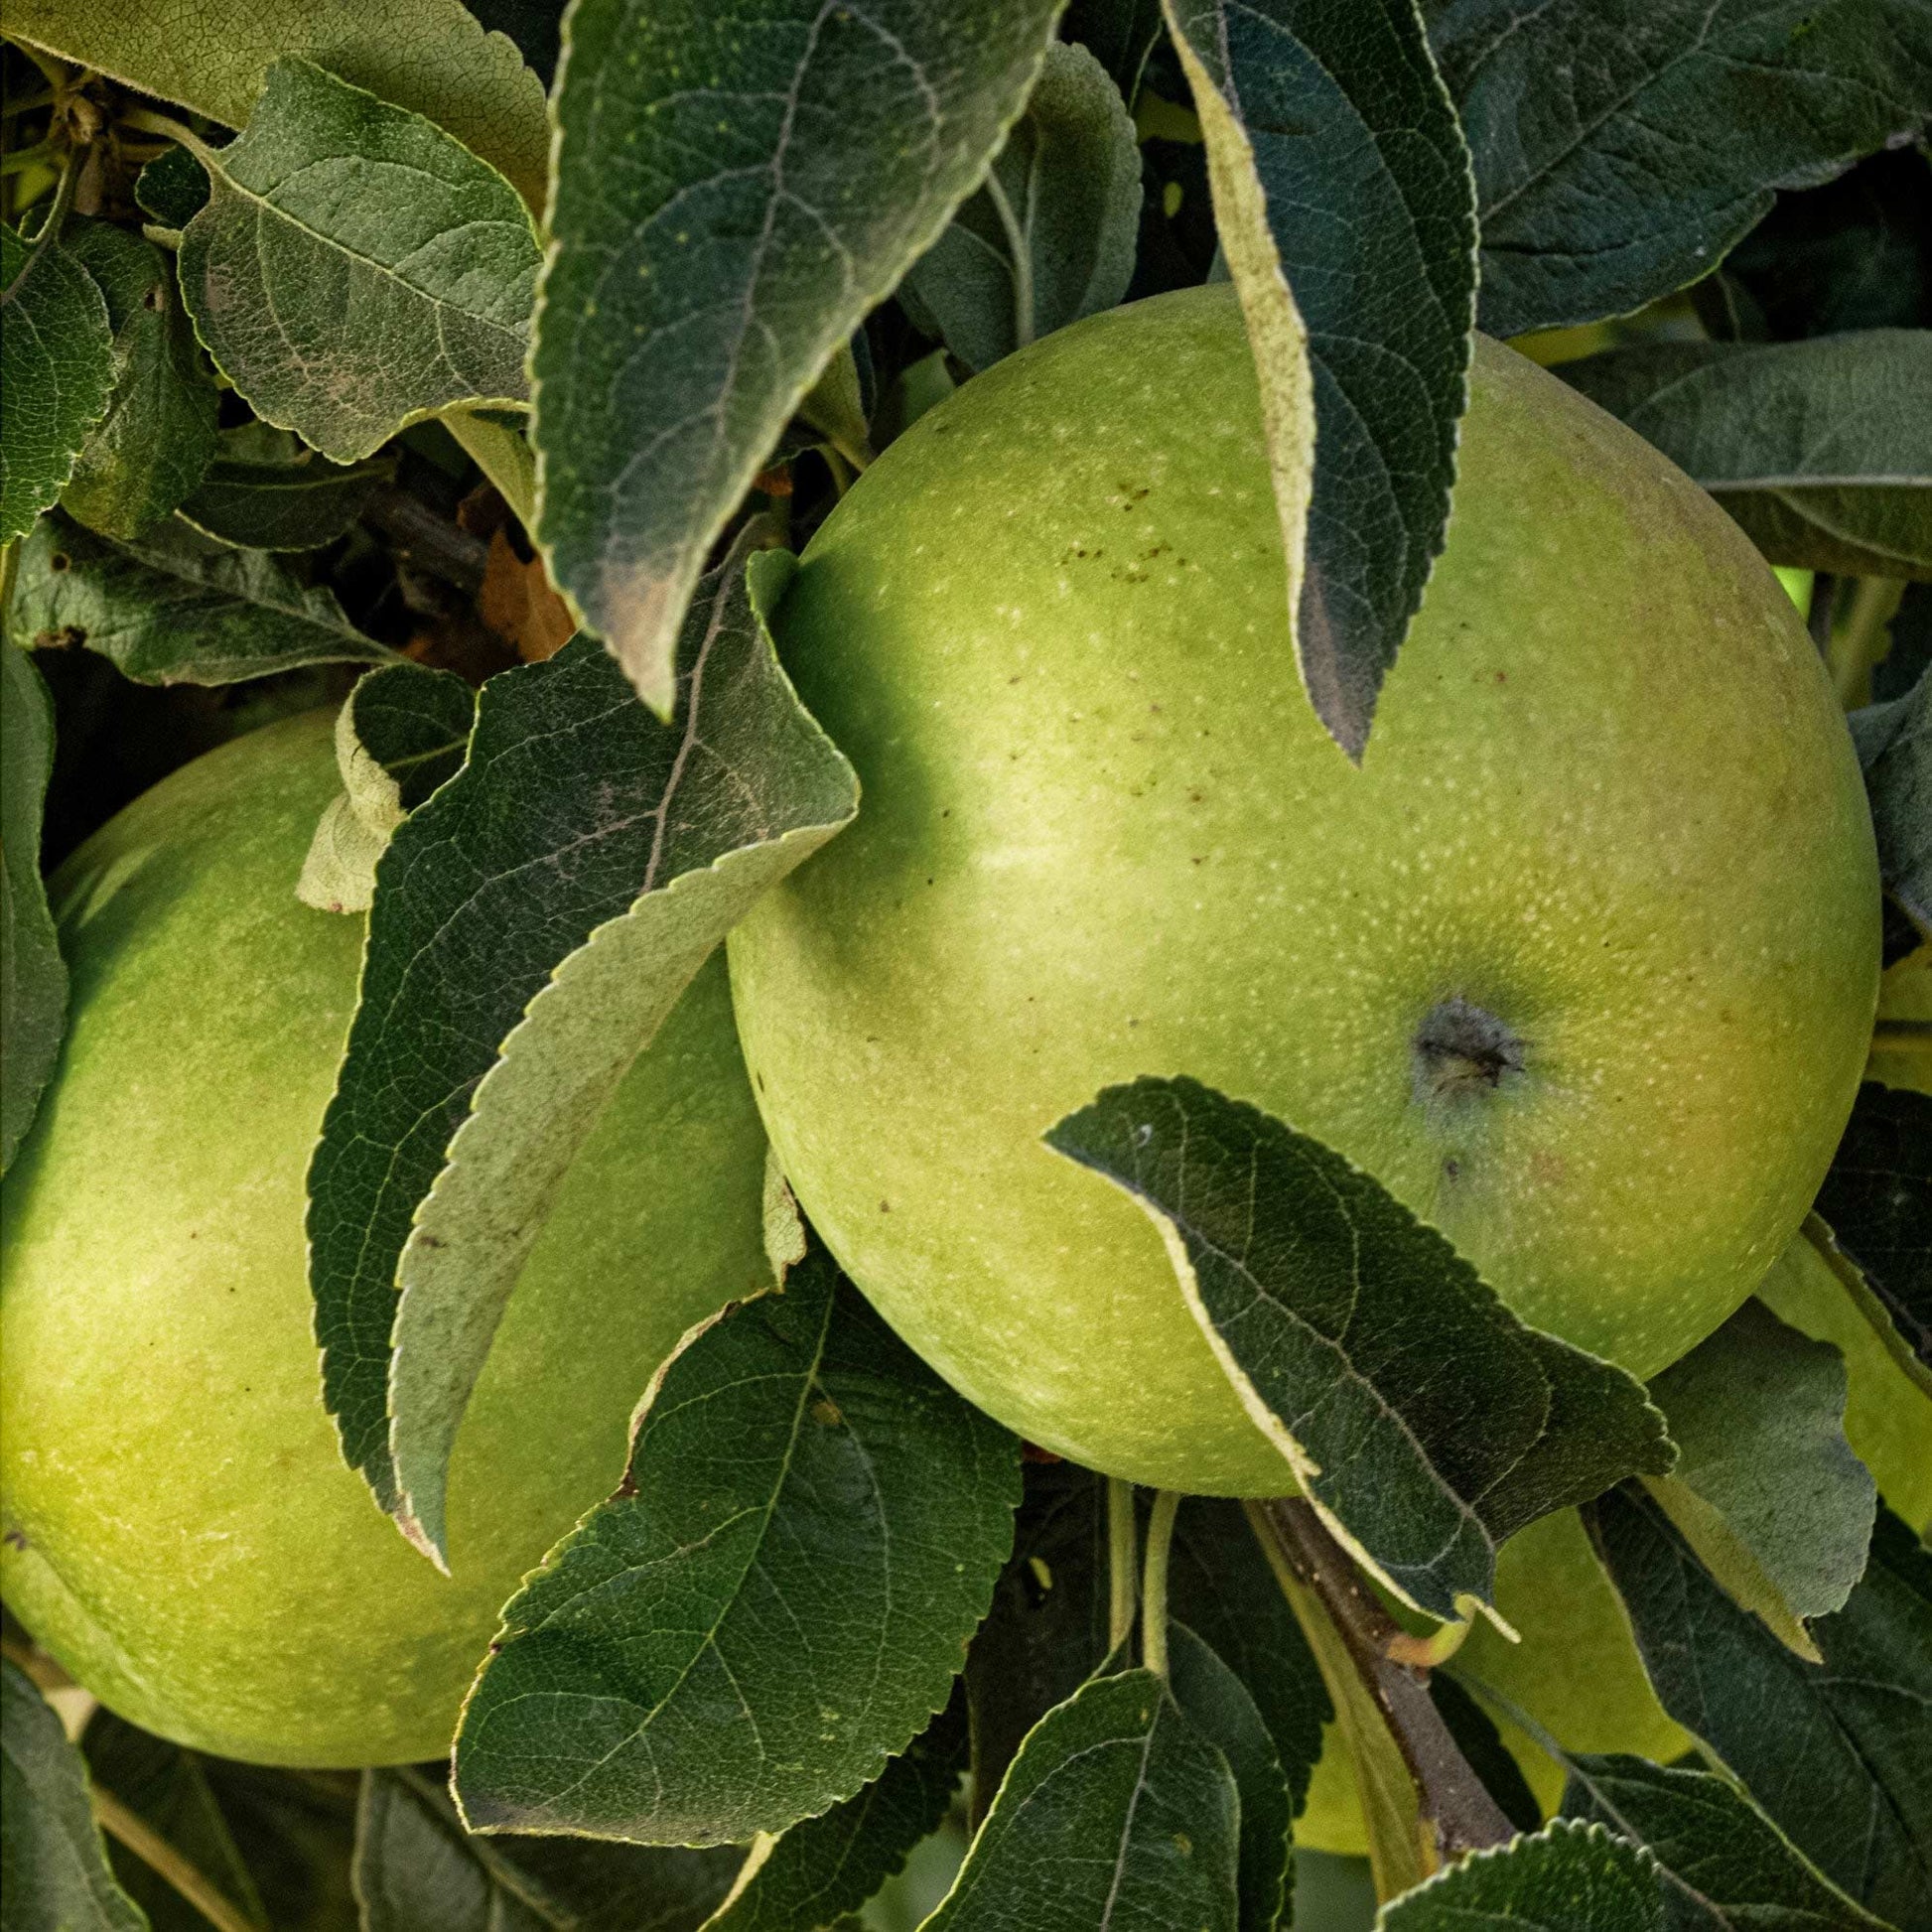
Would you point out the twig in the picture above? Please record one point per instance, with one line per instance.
(431, 542)
(1454, 1799)
(154, 1850)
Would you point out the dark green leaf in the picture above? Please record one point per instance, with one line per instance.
(1894, 741)
(1119, 34)
(177, 607)
(824, 1867)
(1217, 1703)
(1568, 1877)
(429, 56)
(533, 923)
(1878, 1203)
(356, 268)
(299, 505)
(1726, 1866)
(732, 198)
(1834, 1751)
(1337, 164)
(1489, 1757)
(1621, 146)
(1049, 236)
(33, 976)
(1766, 1489)
(774, 1602)
(1822, 450)
(157, 438)
(53, 1874)
(297, 1830)
(173, 187)
(418, 1871)
(1116, 1812)
(1352, 1332)
(401, 734)
(166, 1786)
(56, 366)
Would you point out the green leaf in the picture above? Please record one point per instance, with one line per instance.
(298, 1831)
(1049, 236)
(1217, 1704)
(1834, 1751)
(1344, 202)
(177, 607)
(157, 438)
(356, 269)
(1119, 34)
(428, 55)
(776, 1600)
(33, 976)
(299, 505)
(1594, 197)
(1352, 1331)
(57, 367)
(1822, 450)
(165, 1786)
(1566, 1877)
(826, 1865)
(1894, 741)
(1726, 1866)
(54, 1871)
(732, 198)
(401, 734)
(173, 187)
(1120, 1773)
(418, 1871)
(533, 923)
(1766, 1489)
(1876, 1203)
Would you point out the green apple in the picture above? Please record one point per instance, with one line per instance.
(1581, 962)
(181, 1531)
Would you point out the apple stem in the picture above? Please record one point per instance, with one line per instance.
(1154, 1585)
(1121, 1561)
(1453, 1798)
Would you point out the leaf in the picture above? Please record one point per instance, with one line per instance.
(1217, 1704)
(1766, 1489)
(1566, 1877)
(1049, 236)
(1120, 1772)
(826, 1865)
(157, 438)
(299, 1831)
(1119, 34)
(400, 734)
(730, 200)
(517, 602)
(418, 1871)
(1878, 1203)
(33, 976)
(1834, 1752)
(1724, 1864)
(1352, 1331)
(1592, 199)
(57, 367)
(427, 56)
(1894, 741)
(1345, 202)
(776, 1600)
(52, 1865)
(356, 269)
(298, 505)
(176, 608)
(1822, 450)
(533, 923)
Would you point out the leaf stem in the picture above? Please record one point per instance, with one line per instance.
(149, 123)
(49, 231)
(1454, 1798)
(154, 1850)
(1154, 1585)
(1121, 1565)
(1022, 261)
(1861, 635)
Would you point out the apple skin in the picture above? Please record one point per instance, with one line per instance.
(1608, 798)
(181, 1531)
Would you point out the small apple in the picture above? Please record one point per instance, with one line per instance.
(1581, 962)
(181, 1530)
